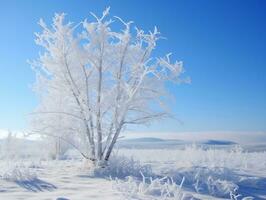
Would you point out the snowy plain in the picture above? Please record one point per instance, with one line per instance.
(157, 169)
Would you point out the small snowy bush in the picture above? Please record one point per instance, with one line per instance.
(205, 180)
(149, 188)
(121, 167)
(17, 173)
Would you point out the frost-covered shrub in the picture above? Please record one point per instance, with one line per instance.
(211, 171)
(18, 173)
(205, 180)
(149, 188)
(121, 167)
(35, 165)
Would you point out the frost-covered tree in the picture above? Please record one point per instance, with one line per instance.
(56, 129)
(105, 80)
(9, 145)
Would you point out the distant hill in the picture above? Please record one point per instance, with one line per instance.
(151, 142)
(144, 139)
(148, 143)
(218, 142)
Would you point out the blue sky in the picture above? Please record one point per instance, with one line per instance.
(222, 45)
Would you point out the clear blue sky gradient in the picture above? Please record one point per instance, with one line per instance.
(222, 44)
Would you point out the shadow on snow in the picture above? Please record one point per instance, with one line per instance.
(36, 185)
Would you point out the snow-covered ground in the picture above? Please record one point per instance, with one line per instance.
(54, 180)
(187, 172)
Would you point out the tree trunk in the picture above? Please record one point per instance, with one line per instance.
(99, 131)
(110, 148)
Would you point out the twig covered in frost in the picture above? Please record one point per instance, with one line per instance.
(234, 195)
(158, 188)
